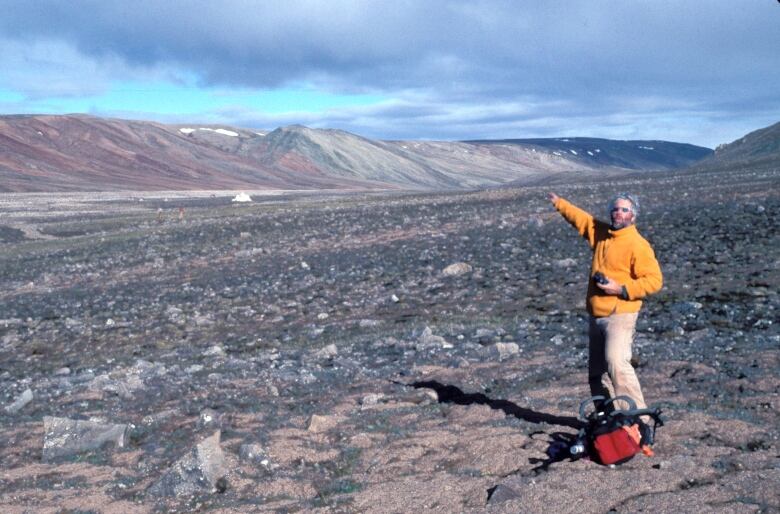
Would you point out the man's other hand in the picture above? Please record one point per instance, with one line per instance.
(611, 287)
(553, 197)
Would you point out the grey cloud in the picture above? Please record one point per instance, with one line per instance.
(511, 46)
(573, 60)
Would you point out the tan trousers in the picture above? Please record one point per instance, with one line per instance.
(610, 372)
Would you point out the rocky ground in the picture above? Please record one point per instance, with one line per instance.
(398, 353)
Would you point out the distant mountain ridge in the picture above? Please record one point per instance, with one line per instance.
(631, 154)
(40, 153)
(759, 149)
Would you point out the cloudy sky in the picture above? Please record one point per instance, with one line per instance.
(701, 72)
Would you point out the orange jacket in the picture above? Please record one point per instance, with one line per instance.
(622, 255)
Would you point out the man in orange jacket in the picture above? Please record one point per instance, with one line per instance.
(624, 270)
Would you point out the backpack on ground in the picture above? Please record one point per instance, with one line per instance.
(615, 436)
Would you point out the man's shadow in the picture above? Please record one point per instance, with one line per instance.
(558, 449)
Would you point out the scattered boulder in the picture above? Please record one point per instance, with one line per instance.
(428, 340)
(421, 396)
(123, 387)
(318, 424)
(501, 351)
(565, 263)
(201, 470)
(492, 413)
(63, 436)
(454, 270)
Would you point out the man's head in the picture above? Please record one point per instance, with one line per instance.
(623, 210)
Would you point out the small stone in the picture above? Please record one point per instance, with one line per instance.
(253, 452)
(558, 339)
(501, 351)
(214, 351)
(462, 362)
(485, 336)
(686, 308)
(21, 401)
(371, 399)
(158, 417)
(318, 424)
(209, 418)
(432, 394)
(501, 493)
(565, 263)
(201, 320)
(327, 352)
(428, 340)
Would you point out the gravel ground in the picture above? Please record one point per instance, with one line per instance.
(346, 371)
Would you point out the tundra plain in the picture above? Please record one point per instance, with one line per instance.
(317, 343)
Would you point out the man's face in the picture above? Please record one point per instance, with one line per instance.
(621, 214)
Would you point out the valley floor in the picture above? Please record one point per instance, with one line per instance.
(345, 371)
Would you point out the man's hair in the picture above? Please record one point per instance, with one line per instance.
(625, 196)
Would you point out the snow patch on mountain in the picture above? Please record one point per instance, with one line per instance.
(224, 132)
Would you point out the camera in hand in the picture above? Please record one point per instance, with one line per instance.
(600, 278)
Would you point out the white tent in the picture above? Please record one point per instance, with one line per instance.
(242, 197)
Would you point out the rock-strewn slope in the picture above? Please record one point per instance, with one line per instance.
(86, 153)
(758, 150)
(312, 354)
(637, 155)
